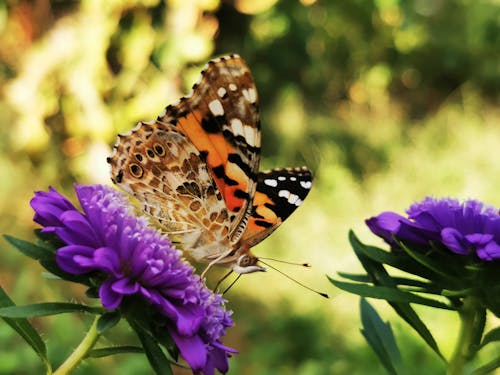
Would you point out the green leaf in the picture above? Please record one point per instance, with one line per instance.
(112, 350)
(156, 357)
(108, 321)
(438, 267)
(48, 308)
(491, 336)
(380, 337)
(488, 367)
(51, 266)
(26, 331)
(388, 294)
(48, 240)
(420, 286)
(29, 249)
(380, 276)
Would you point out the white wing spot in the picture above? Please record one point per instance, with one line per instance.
(271, 182)
(237, 126)
(233, 87)
(293, 178)
(252, 95)
(249, 135)
(216, 108)
(298, 202)
(306, 184)
(282, 178)
(221, 91)
(293, 198)
(284, 194)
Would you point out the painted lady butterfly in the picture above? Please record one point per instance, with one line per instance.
(195, 170)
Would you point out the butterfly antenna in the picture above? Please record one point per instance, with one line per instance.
(291, 278)
(231, 285)
(287, 262)
(221, 280)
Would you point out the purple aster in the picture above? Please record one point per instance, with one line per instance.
(137, 260)
(464, 228)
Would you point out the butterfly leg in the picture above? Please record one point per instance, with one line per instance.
(216, 288)
(215, 261)
(231, 285)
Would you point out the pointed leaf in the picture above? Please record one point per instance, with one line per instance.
(488, 367)
(380, 277)
(51, 266)
(26, 331)
(48, 308)
(108, 321)
(388, 294)
(112, 350)
(421, 286)
(438, 267)
(29, 249)
(156, 356)
(380, 337)
(491, 336)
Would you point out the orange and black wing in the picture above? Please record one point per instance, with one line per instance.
(279, 193)
(221, 118)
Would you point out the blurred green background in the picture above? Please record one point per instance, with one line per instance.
(387, 101)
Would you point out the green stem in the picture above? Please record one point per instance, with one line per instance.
(81, 351)
(472, 320)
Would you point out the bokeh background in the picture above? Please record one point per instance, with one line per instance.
(387, 101)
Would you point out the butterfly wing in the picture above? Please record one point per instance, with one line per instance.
(220, 117)
(279, 193)
(163, 169)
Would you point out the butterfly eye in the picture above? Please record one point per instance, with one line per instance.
(136, 170)
(246, 261)
(160, 151)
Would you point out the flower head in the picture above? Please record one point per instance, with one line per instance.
(468, 228)
(136, 260)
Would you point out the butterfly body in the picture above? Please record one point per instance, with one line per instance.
(195, 170)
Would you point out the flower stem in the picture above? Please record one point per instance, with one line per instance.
(472, 320)
(81, 351)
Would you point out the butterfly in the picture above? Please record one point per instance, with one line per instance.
(195, 169)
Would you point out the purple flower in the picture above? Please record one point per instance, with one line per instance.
(468, 228)
(137, 260)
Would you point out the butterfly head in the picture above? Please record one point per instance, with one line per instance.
(247, 263)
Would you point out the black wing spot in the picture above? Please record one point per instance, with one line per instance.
(263, 224)
(238, 193)
(213, 124)
(221, 173)
(160, 151)
(119, 177)
(136, 170)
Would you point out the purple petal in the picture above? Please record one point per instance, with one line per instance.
(48, 207)
(479, 239)
(76, 230)
(490, 252)
(455, 241)
(385, 225)
(75, 259)
(107, 260)
(218, 358)
(192, 348)
(125, 286)
(187, 318)
(110, 299)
